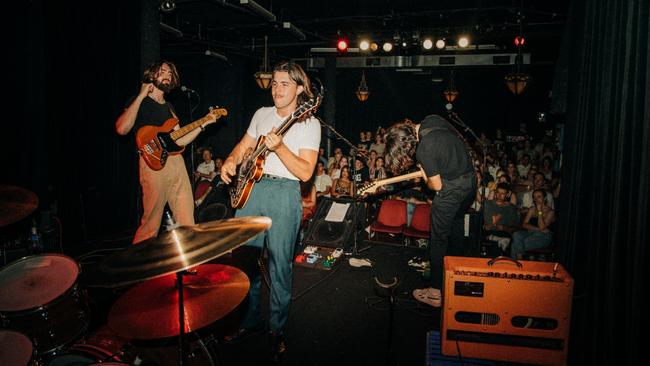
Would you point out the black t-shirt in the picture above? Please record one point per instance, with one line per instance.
(440, 149)
(362, 175)
(151, 113)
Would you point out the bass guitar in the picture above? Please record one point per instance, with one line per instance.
(156, 143)
(372, 187)
(249, 171)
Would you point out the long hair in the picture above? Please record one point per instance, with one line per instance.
(401, 143)
(151, 73)
(298, 75)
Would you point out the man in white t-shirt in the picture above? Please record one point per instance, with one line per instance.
(322, 181)
(205, 170)
(292, 157)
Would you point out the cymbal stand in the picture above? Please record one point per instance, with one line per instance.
(181, 318)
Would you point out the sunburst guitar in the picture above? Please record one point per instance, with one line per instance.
(156, 143)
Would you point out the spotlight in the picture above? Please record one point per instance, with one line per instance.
(387, 47)
(520, 41)
(427, 44)
(463, 42)
(364, 45)
(403, 44)
(440, 44)
(374, 46)
(167, 6)
(342, 45)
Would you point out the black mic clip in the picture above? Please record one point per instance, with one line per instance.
(188, 90)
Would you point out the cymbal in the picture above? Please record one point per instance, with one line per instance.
(149, 310)
(174, 251)
(15, 204)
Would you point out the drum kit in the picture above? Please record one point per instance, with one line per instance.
(44, 312)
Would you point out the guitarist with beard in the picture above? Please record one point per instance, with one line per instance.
(292, 157)
(171, 184)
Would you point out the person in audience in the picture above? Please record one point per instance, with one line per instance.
(547, 168)
(372, 157)
(361, 175)
(538, 183)
(379, 172)
(322, 181)
(379, 146)
(363, 144)
(203, 176)
(335, 172)
(511, 197)
(537, 223)
(343, 186)
(321, 156)
(334, 160)
(413, 195)
(500, 217)
(523, 166)
(511, 170)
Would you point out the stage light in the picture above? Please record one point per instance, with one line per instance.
(387, 47)
(427, 44)
(342, 45)
(440, 44)
(364, 45)
(463, 42)
(374, 46)
(520, 41)
(403, 44)
(167, 6)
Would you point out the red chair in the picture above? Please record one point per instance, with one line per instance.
(420, 222)
(391, 218)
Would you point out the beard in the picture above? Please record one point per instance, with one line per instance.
(165, 87)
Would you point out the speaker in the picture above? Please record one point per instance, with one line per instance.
(215, 206)
(327, 230)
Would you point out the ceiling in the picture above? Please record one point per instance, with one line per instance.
(230, 28)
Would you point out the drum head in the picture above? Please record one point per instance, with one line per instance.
(34, 281)
(15, 348)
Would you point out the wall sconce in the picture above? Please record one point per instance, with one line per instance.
(451, 93)
(362, 91)
(264, 77)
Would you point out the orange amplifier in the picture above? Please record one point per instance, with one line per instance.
(506, 310)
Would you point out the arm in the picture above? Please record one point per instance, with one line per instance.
(312, 199)
(301, 165)
(235, 158)
(434, 182)
(529, 215)
(125, 121)
(545, 219)
(333, 192)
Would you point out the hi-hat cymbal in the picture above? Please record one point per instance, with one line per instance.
(174, 251)
(15, 204)
(149, 310)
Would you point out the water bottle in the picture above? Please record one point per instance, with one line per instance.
(36, 245)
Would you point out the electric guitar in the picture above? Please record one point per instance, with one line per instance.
(156, 143)
(249, 171)
(371, 187)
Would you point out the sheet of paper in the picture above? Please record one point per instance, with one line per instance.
(337, 212)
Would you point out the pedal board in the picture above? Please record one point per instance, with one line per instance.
(319, 257)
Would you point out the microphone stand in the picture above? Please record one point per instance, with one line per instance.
(453, 116)
(353, 150)
(191, 170)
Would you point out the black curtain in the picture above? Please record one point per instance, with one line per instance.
(604, 212)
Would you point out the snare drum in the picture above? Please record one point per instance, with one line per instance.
(15, 349)
(99, 348)
(39, 297)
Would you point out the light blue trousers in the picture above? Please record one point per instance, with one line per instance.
(280, 200)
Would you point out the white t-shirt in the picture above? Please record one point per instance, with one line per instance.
(301, 135)
(322, 182)
(206, 168)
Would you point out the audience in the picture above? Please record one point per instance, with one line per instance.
(537, 222)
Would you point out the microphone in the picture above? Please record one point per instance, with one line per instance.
(188, 90)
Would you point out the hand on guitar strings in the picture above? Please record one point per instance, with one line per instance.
(273, 141)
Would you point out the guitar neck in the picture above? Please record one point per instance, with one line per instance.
(399, 178)
(188, 128)
(262, 149)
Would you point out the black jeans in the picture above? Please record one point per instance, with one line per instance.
(447, 222)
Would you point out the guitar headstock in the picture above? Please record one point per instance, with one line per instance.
(217, 112)
(309, 107)
(368, 188)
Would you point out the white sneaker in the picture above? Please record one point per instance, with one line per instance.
(429, 296)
